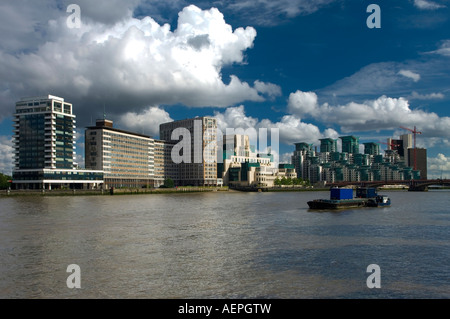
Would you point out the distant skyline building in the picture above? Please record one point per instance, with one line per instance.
(421, 158)
(328, 145)
(371, 148)
(350, 144)
(401, 146)
(352, 166)
(302, 152)
(44, 146)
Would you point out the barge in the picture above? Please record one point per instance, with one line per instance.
(343, 198)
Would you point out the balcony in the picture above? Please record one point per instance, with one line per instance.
(50, 139)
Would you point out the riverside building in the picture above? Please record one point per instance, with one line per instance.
(126, 158)
(164, 167)
(195, 150)
(44, 146)
(242, 166)
(351, 166)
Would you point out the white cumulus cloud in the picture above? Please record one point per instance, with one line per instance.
(381, 113)
(129, 63)
(146, 122)
(301, 103)
(439, 166)
(291, 128)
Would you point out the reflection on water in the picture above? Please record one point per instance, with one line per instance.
(223, 245)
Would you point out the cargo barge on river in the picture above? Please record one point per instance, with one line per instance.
(343, 198)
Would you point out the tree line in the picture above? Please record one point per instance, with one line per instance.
(291, 181)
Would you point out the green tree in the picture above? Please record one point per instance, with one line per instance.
(169, 183)
(277, 182)
(283, 181)
(4, 184)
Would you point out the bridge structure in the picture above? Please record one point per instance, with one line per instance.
(413, 185)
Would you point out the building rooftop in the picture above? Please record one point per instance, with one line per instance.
(108, 125)
(45, 97)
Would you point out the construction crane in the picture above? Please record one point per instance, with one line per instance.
(415, 132)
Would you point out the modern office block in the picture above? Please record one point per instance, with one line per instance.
(44, 146)
(126, 158)
(44, 129)
(195, 149)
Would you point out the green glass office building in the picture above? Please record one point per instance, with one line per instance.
(44, 145)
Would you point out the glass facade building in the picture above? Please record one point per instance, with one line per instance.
(44, 129)
(44, 144)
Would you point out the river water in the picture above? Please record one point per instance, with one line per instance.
(223, 245)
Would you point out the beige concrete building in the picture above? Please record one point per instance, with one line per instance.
(164, 167)
(126, 158)
(243, 167)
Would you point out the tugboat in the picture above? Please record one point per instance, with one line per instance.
(373, 199)
(379, 201)
(343, 198)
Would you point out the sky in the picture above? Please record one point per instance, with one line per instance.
(310, 68)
